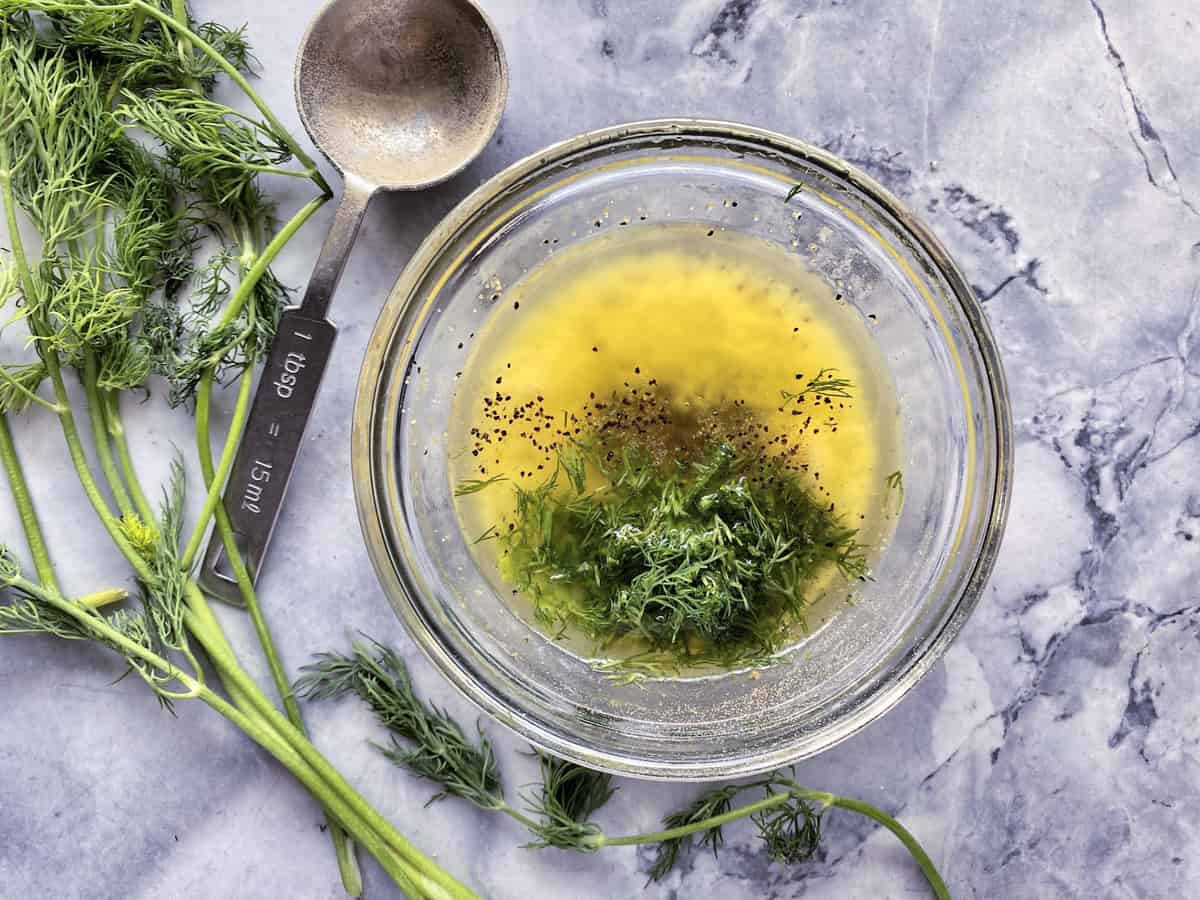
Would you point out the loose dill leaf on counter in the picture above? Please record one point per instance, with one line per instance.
(707, 556)
(792, 832)
(425, 740)
(560, 808)
(568, 797)
(712, 803)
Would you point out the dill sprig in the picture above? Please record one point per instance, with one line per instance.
(895, 487)
(475, 485)
(428, 743)
(826, 383)
(121, 222)
(564, 803)
(424, 740)
(561, 807)
(706, 559)
(701, 811)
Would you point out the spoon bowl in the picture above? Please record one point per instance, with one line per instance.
(401, 93)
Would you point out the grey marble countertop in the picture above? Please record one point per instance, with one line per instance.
(1055, 149)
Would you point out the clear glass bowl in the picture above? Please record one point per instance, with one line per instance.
(954, 409)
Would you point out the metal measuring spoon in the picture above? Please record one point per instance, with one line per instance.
(398, 95)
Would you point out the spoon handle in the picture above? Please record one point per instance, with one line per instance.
(283, 404)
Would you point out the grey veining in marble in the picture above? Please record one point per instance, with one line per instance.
(1055, 148)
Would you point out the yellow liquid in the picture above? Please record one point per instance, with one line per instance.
(715, 318)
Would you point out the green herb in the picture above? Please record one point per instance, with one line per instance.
(895, 485)
(474, 485)
(796, 189)
(103, 294)
(826, 383)
(488, 534)
(707, 559)
(442, 753)
(429, 744)
(702, 811)
(567, 798)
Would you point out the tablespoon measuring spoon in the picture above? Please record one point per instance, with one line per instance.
(398, 95)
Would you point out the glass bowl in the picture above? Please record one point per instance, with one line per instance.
(954, 413)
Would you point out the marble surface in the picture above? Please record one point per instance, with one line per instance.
(1055, 149)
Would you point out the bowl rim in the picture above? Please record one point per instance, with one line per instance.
(366, 477)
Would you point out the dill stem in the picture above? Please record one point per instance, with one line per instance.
(182, 29)
(669, 834)
(82, 468)
(418, 877)
(821, 799)
(212, 500)
(183, 46)
(203, 625)
(928, 869)
(411, 879)
(326, 772)
(100, 599)
(264, 260)
(253, 274)
(100, 436)
(111, 406)
(17, 247)
(343, 850)
(514, 813)
(25, 509)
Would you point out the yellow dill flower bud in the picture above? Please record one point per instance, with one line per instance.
(142, 536)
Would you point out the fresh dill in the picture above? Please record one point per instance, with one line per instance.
(826, 383)
(895, 486)
(561, 809)
(424, 740)
(475, 485)
(118, 170)
(428, 743)
(707, 558)
(489, 533)
(564, 803)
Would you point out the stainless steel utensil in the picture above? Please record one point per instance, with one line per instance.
(398, 95)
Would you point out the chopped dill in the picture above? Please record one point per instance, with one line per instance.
(474, 485)
(895, 484)
(487, 535)
(705, 558)
(826, 383)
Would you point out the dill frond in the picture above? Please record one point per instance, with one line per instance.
(792, 832)
(474, 485)
(569, 795)
(124, 365)
(163, 594)
(826, 383)
(217, 150)
(715, 802)
(19, 384)
(425, 740)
